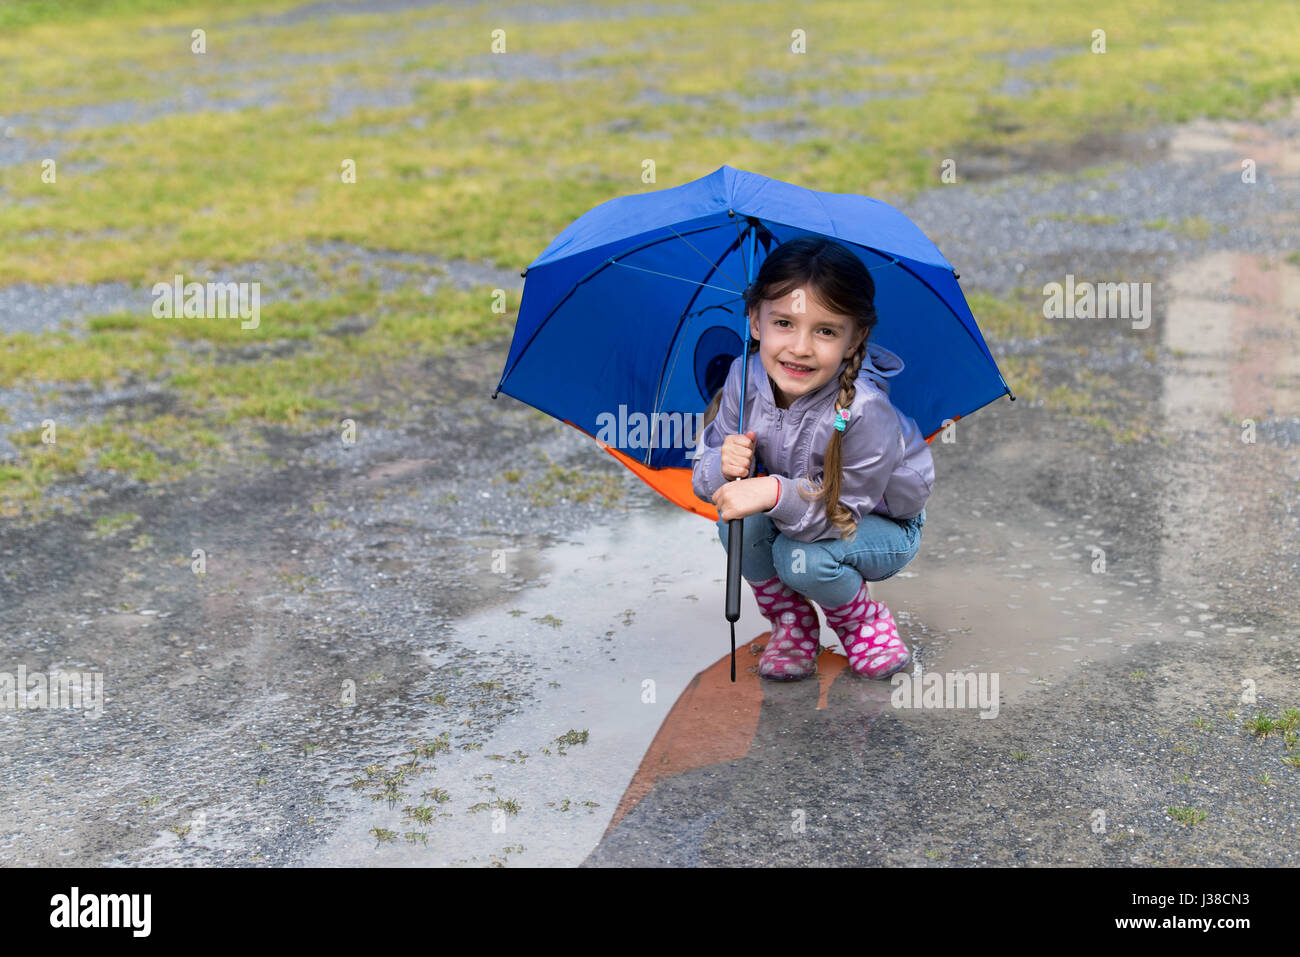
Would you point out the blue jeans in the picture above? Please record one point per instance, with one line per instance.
(829, 571)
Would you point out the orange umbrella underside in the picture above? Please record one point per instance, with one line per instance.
(713, 721)
(675, 484)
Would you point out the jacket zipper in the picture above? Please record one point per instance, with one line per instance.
(780, 421)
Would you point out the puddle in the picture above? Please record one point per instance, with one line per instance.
(1019, 598)
(638, 603)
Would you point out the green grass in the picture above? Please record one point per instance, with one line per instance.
(158, 449)
(509, 805)
(1018, 317)
(1261, 726)
(107, 526)
(574, 484)
(16, 14)
(1191, 227)
(534, 154)
(1085, 219)
(1287, 724)
(1186, 815)
(422, 813)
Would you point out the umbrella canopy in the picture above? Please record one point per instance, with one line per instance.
(632, 316)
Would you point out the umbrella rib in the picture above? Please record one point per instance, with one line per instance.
(711, 263)
(744, 349)
(615, 262)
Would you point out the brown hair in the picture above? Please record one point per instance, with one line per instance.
(843, 285)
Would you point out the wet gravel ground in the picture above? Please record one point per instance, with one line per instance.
(224, 693)
(1082, 774)
(31, 308)
(338, 570)
(999, 237)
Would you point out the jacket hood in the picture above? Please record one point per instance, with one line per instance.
(880, 365)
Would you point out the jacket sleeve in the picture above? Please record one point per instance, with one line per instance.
(872, 448)
(707, 475)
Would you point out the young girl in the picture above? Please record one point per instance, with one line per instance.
(843, 502)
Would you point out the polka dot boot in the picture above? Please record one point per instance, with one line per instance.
(869, 635)
(791, 652)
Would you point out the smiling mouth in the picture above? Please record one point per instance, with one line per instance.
(796, 369)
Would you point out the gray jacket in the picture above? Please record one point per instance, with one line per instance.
(887, 465)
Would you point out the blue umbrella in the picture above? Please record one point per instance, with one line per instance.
(632, 316)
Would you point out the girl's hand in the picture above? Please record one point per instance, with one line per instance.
(737, 455)
(746, 497)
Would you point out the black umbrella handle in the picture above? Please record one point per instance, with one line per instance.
(735, 535)
(734, 544)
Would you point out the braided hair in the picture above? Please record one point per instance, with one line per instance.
(843, 284)
(829, 491)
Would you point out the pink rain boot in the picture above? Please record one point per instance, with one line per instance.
(870, 637)
(791, 652)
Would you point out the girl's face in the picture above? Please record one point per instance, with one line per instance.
(801, 345)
